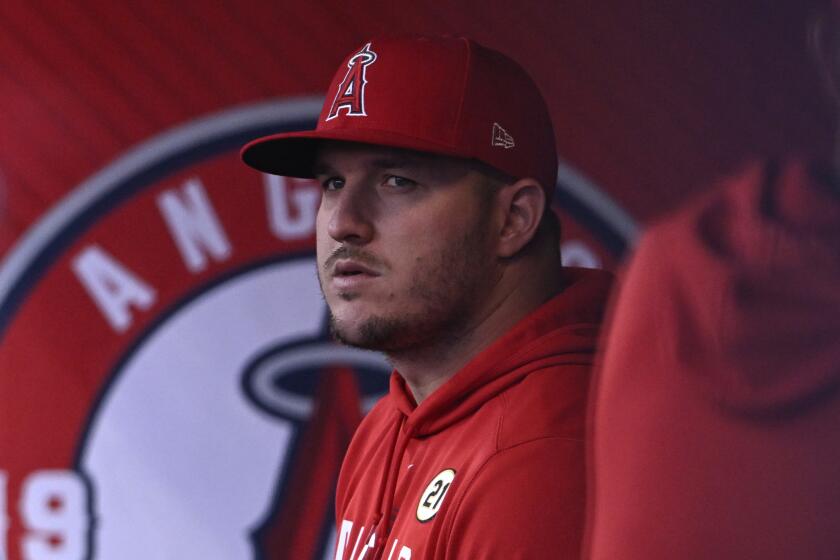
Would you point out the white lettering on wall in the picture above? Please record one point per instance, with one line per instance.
(194, 225)
(114, 288)
(53, 509)
(291, 212)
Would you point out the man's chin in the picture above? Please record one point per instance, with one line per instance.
(373, 333)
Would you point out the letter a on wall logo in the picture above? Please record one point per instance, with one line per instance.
(350, 94)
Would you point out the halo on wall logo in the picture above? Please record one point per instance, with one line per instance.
(281, 382)
(165, 369)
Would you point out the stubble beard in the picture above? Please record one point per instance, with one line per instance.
(448, 292)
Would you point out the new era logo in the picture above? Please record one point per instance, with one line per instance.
(501, 138)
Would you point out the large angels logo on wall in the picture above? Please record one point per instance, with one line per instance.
(168, 388)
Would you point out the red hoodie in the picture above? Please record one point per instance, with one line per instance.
(491, 464)
(716, 412)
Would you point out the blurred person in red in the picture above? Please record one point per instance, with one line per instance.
(716, 409)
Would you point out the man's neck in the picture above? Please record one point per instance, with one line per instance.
(425, 369)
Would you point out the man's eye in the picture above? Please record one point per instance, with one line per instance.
(399, 182)
(332, 184)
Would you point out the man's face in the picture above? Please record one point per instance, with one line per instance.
(405, 250)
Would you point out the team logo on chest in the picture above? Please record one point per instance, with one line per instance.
(432, 498)
(350, 94)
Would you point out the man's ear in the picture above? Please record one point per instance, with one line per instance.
(522, 204)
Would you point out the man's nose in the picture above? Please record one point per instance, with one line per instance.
(350, 220)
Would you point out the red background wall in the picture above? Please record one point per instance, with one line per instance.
(650, 98)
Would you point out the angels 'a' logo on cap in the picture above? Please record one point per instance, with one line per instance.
(350, 94)
(432, 498)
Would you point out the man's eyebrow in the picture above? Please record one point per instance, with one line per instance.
(322, 168)
(384, 162)
(394, 162)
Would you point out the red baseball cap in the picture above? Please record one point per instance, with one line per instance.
(444, 95)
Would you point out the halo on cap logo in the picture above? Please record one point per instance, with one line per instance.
(432, 498)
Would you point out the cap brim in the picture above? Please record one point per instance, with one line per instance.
(293, 154)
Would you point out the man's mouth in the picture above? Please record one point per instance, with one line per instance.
(349, 268)
(349, 276)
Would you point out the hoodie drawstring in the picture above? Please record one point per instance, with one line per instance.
(388, 487)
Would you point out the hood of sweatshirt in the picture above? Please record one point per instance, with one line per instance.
(751, 288)
(562, 331)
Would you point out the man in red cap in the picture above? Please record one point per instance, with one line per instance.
(436, 245)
